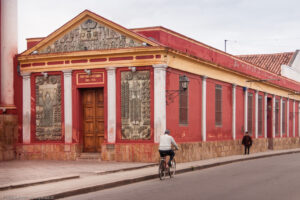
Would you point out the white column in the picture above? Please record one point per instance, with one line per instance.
(294, 118)
(287, 117)
(280, 117)
(9, 49)
(256, 114)
(204, 108)
(111, 105)
(68, 105)
(26, 108)
(273, 117)
(234, 111)
(246, 109)
(265, 115)
(160, 107)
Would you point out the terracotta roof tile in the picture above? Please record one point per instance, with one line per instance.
(270, 62)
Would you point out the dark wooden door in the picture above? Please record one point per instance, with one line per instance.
(93, 119)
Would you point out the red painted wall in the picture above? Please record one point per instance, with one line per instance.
(210, 54)
(223, 132)
(291, 115)
(297, 119)
(240, 112)
(184, 132)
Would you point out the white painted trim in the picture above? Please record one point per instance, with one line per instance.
(68, 106)
(26, 132)
(256, 114)
(273, 117)
(203, 129)
(111, 105)
(266, 115)
(160, 120)
(246, 109)
(280, 121)
(234, 111)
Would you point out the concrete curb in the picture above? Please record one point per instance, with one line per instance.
(124, 170)
(153, 176)
(37, 182)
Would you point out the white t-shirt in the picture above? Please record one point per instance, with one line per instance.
(166, 142)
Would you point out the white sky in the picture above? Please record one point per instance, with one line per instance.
(250, 26)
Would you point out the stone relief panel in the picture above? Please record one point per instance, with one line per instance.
(48, 108)
(135, 105)
(90, 35)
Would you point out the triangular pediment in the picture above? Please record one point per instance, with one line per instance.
(89, 31)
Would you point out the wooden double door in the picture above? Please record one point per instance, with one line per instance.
(93, 119)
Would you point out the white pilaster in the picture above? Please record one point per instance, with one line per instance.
(246, 109)
(160, 120)
(273, 117)
(68, 105)
(111, 104)
(256, 114)
(266, 115)
(294, 118)
(9, 49)
(26, 108)
(204, 108)
(280, 117)
(234, 111)
(287, 117)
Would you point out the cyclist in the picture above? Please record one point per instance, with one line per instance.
(165, 146)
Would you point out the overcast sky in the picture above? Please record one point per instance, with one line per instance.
(250, 26)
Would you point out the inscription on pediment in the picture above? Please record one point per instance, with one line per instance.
(90, 35)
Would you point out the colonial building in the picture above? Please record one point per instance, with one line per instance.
(95, 86)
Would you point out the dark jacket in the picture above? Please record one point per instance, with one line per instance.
(247, 140)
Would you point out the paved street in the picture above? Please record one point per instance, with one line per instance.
(272, 178)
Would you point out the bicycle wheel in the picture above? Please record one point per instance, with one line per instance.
(172, 168)
(161, 170)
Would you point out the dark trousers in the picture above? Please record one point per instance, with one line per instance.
(247, 149)
(164, 153)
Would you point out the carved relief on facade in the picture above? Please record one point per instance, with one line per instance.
(48, 108)
(135, 105)
(90, 35)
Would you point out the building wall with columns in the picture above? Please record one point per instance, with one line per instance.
(115, 93)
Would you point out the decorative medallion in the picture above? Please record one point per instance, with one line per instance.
(135, 105)
(90, 35)
(48, 108)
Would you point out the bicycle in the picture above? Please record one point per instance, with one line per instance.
(164, 168)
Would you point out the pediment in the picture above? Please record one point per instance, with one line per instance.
(89, 31)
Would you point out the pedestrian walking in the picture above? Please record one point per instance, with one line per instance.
(247, 142)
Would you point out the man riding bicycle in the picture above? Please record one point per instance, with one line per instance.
(165, 146)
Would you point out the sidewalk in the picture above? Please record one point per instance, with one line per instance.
(57, 179)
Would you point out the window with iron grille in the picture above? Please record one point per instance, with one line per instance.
(250, 113)
(283, 117)
(183, 105)
(276, 117)
(218, 105)
(260, 115)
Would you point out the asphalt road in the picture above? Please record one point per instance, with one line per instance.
(272, 178)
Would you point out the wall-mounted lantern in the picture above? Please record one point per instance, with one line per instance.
(183, 86)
